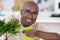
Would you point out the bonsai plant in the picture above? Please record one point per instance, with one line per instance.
(9, 27)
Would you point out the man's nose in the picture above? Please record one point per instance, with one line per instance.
(30, 16)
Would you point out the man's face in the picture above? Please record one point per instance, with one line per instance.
(29, 15)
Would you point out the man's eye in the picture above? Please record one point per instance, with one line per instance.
(27, 11)
(35, 13)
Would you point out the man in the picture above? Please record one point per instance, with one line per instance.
(29, 14)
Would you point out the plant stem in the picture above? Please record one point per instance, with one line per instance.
(6, 36)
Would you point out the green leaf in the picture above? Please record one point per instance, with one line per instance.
(10, 27)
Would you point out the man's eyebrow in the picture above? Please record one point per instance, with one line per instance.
(35, 12)
(28, 10)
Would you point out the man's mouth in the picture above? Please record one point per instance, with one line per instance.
(29, 20)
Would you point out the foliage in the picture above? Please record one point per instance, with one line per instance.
(10, 27)
(3, 27)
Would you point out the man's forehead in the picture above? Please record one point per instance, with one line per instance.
(30, 6)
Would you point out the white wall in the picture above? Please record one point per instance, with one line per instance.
(7, 5)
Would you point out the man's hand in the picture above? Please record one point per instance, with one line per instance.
(41, 34)
(47, 35)
(30, 33)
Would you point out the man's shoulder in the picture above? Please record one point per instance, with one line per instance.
(35, 25)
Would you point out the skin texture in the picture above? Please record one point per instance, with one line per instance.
(28, 18)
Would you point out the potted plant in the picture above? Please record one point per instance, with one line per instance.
(9, 27)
